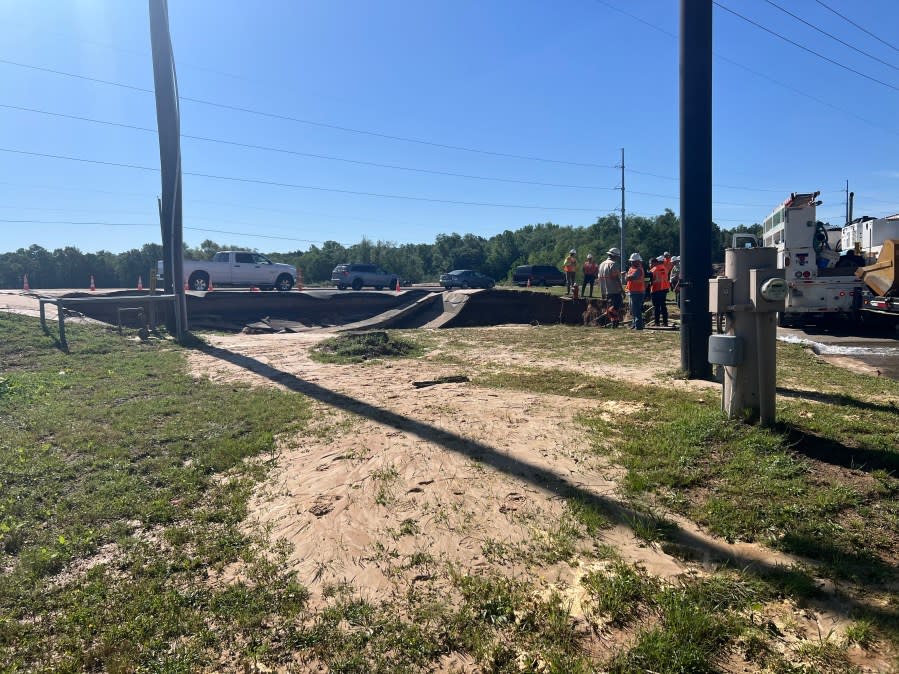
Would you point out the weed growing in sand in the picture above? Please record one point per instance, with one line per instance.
(356, 348)
(618, 592)
(385, 479)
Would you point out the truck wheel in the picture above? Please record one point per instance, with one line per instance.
(199, 280)
(357, 284)
(284, 282)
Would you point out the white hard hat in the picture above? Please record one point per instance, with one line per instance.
(660, 258)
(589, 256)
(614, 251)
(635, 257)
(666, 254)
(572, 252)
(676, 258)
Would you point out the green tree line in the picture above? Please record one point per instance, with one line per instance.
(496, 256)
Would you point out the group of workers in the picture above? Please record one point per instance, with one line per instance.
(663, 276)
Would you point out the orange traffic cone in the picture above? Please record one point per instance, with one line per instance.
(398, 289)
(93, 285)
(209, 288)
(254, 289)
(529, 281)
(25, 285)
(299, 279)
(574, 292)
(140, 283)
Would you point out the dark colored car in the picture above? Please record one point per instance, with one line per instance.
(466, 278)
(356, 276)
(539, 275)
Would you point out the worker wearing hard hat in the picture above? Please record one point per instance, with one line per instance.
(674, 278)
(610, 281)
(636, 290)
(590, 270)
(659, 291)
(569, 266)
(667, 261)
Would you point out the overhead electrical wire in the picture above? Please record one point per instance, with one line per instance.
(273, 183)
(832, 37)
(864, 30)
(267, 148)
(804, 48)
(298, 120)
(758, 74)
(141, 224)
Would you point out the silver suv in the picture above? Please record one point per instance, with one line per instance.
(356, 276)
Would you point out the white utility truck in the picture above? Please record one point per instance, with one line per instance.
(236, 268)
(819, 285)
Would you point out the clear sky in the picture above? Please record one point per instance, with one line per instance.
(567, 80)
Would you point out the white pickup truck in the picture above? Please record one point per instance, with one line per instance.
(236, 268)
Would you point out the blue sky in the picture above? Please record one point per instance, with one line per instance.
(570, 80)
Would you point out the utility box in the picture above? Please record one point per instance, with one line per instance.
(767, 289)
(725, 350)
(721, 294)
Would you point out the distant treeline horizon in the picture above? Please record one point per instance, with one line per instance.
(496, 256)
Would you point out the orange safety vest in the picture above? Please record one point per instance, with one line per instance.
(570, 264)
(590, 268)
(636, 279)
(659, 278)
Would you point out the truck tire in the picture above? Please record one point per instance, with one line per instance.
(199, 280)
(284, 282)
(357, 284)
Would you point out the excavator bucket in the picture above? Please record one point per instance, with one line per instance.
(883, 276)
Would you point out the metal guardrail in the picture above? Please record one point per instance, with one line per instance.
(62, 303)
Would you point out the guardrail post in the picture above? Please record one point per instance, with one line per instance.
(61, 314)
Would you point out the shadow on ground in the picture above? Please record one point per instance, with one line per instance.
(698, 547)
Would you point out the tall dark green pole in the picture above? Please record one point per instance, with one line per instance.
(168, 122)
(695, 184)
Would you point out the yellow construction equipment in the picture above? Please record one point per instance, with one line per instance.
(882, 277)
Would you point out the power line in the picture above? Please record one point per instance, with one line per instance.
(864, 30)
(297, 153)
(298, 120)
(369, 220)
(273, 183)
(141, 224)
(832, 37)
(804, 48)
(758, 74)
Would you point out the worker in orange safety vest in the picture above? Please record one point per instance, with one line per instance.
(659, 291)
(636, 290)
(569, 266)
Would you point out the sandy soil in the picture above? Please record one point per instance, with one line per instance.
(390, 482)
(393, 482)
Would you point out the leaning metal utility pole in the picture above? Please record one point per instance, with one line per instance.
(623, 257)
(168, 122)
(695, 184)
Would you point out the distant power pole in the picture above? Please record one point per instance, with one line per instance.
(695, 184)
(168, 122)
(623, 258)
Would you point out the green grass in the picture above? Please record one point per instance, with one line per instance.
(743, 482)
(356, 348)
(113, 508)
(123, 486)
